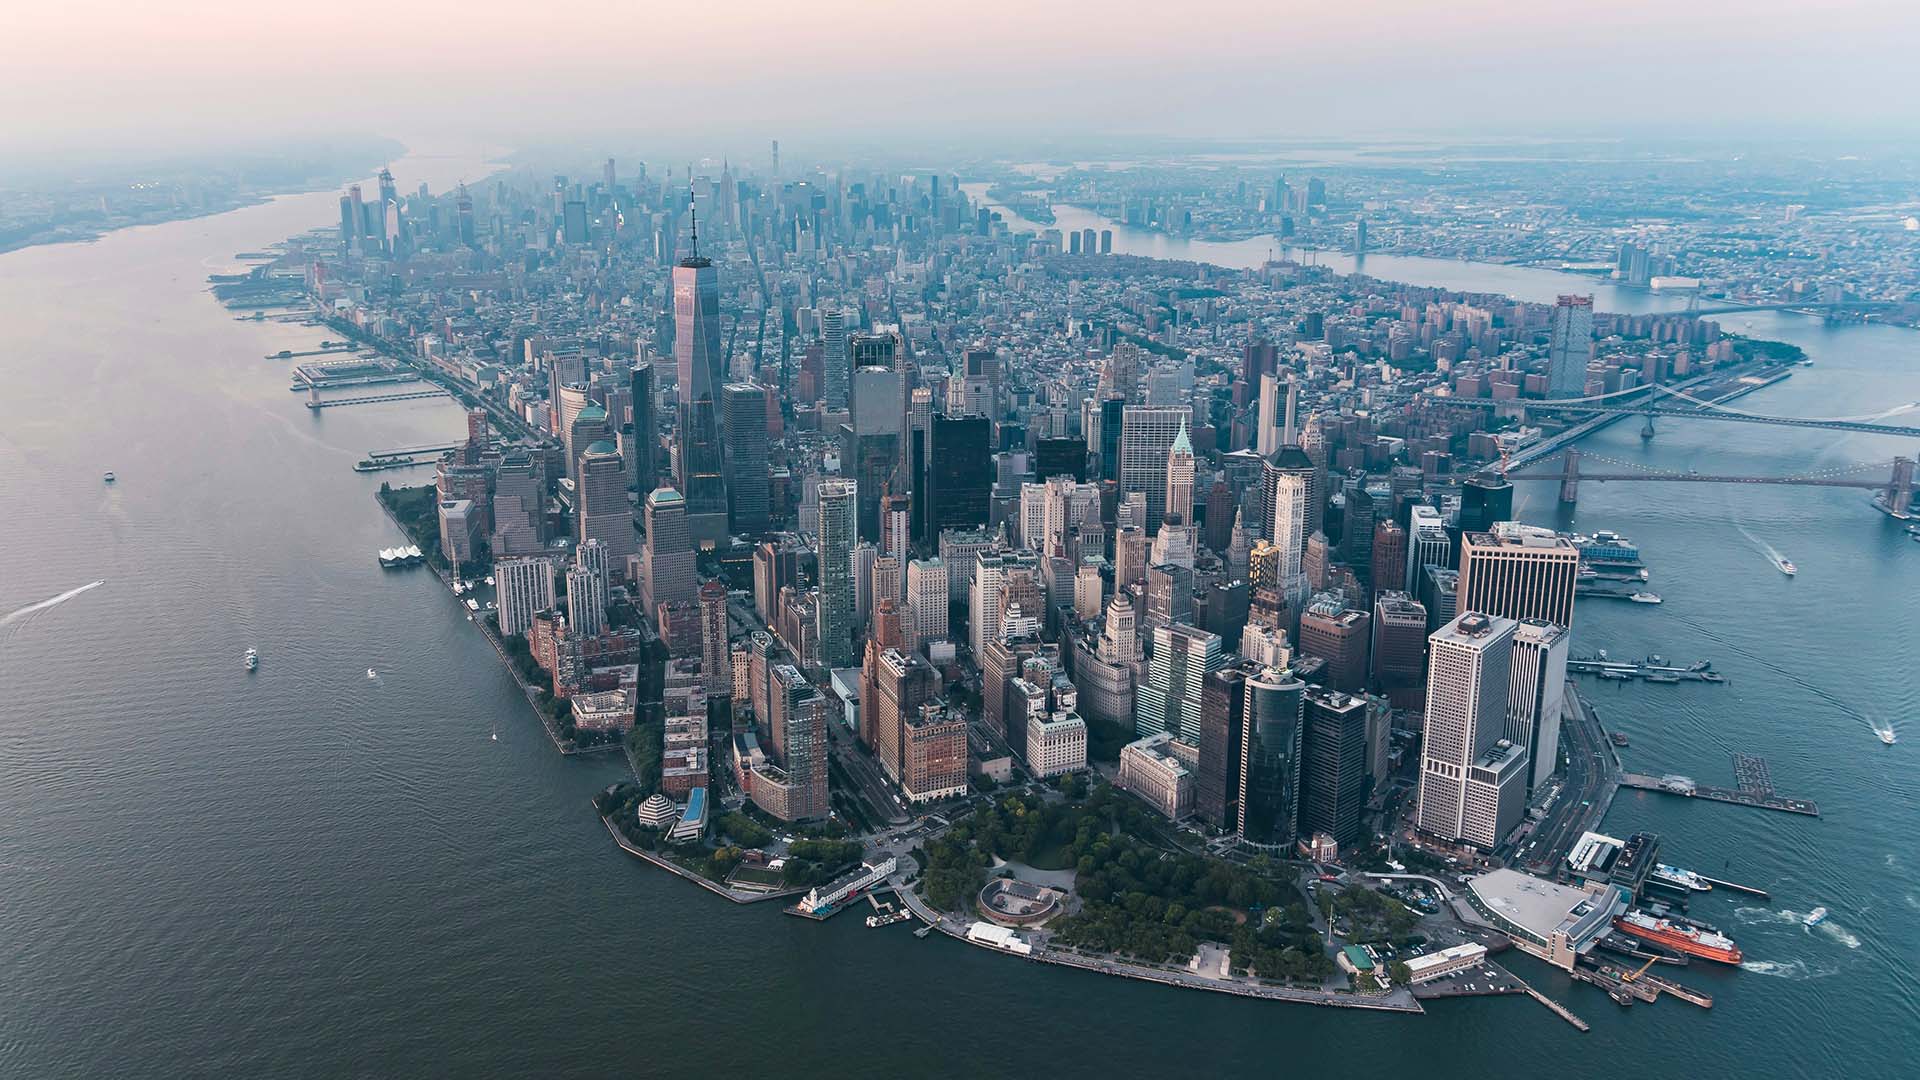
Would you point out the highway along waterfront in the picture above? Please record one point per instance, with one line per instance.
(304, 872)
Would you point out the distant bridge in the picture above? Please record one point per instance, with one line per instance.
(1896, 491)
(1697, 409)
(1831, 309)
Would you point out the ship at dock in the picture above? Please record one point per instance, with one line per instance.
(1691, 939)
(1673, 877)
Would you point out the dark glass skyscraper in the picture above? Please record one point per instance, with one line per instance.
(1333, 775)
(1270, 759)
(747, 482)
(959, 473)
(696, 354)
(646, 431)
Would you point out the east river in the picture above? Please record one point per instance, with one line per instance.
(307, 872)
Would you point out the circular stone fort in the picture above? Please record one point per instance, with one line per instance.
(1017, 903)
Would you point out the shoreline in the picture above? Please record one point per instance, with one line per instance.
(676, 869)
(1128, 970)
(499, 650)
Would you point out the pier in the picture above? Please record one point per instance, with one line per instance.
(316, 403)
(414, 451)
(1736, 887)
(1559, 1010)
(1750, 773)
(1653, 669)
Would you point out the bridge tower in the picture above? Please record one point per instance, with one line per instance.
(1899, 495)
(1570, 477)
(1646, 429)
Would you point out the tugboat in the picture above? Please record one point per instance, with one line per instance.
(252, 659)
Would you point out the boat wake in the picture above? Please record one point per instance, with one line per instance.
(1772, 553)
(1791, 969)
(1825, 927)
(30, 610)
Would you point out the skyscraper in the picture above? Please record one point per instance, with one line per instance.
(1216, 796)
(1472, 778)
(1427, 545)
(927, 600)
(1569, 346)
(1333, 765)
(716, 657)
(646, 429)
(798, 737)
(1536, 694)
(1182, 657)
(586, 610)
(1179, 498)
(667, 572)
(1147, 435)
(746, 457)
(1292, 461)
(839, 520)
(1270, 759)
(1518, 572)
(525, 588)
(1399, 645)
(959, 475)
(838, 362)
(701, 371)
(605, 513)
(1341, 636)
(1484, 500)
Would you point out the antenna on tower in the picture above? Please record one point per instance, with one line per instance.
(693, 215)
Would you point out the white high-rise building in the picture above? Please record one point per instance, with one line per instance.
(927, 600)
(1180, 478)
(1536, 693)
(1089, 588)
(1267, 433)
(1290, 493)
(1147, 435)
(524, 588)
(1427, 545)
(1472, 778)
(586, 606)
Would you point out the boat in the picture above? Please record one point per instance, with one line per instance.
(372, 674)
(1645, 598)
(1815, 917)
(1886, 737)
(494, 736)
(1785, 566)
(108, 477)
(1679, 878)
(252, 659)
(1617, 738)
(1661, 677)
(1690, 939)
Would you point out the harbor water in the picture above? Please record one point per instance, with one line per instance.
(306, 872)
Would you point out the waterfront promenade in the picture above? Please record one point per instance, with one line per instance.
(1399, 1000)
(738, 896)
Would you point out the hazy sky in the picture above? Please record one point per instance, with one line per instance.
(87, 72)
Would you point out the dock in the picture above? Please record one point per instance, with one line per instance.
(1559, 1010)
(375, 399)
(1755, 789)
(1736, 887)
(413, 451)
(1685, 993)
(1652, 670)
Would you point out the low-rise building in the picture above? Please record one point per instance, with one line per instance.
(1437, 965)
(604, 710)
(1056, 743)
(1557, 923)
(1150, 770)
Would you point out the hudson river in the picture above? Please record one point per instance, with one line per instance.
(305, 872)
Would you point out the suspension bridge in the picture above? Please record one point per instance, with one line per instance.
(1693, 409)
(1892, 481)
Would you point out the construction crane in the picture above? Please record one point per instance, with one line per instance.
(1632, 975)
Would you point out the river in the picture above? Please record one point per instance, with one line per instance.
(304, 872)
